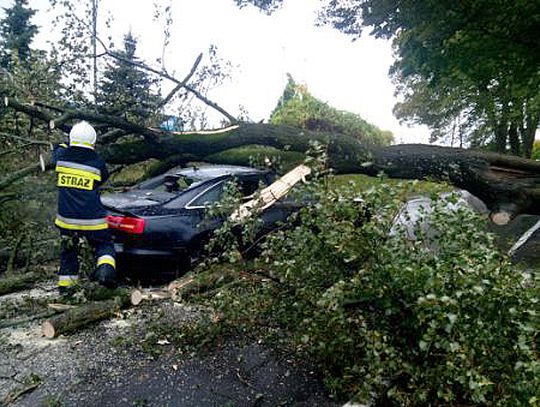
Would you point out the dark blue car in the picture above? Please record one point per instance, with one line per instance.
(162, 224)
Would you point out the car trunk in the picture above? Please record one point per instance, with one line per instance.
(135, 199)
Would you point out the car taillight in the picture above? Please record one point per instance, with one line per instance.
(126, 224)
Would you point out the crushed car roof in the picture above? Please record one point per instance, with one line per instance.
(212, 171)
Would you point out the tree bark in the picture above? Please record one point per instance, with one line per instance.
(528, 133)
(191, 284)
(78, 317)
(18, 282)
(23, 320)
(513, 138)
(505, 183)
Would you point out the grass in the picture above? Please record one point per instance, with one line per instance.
(254, 155)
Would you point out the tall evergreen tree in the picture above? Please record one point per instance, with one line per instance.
(17, 33)
(126, 90)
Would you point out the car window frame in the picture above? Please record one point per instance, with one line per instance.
(241, 178)
(204, 191)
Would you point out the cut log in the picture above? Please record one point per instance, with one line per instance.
(501, 218)
(138, 296)
(23, 320)
(19, 282)
(180, 283)
(81, 316)
(189, 285)
(60, 307)
(269, 195)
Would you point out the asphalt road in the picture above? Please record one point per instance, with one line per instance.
(106, 366)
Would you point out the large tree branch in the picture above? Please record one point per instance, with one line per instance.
(506, 184)
(179, 84)
(182, 84)
(26, 140)
(35, 112)
(17, 175)
(111, 136)
(149, 134)
(162, 74)
(214, 105)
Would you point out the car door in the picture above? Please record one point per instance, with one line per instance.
(198, 207)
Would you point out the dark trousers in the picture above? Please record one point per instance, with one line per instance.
(101, 243)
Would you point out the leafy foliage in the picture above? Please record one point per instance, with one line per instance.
(297, 107)
(73, 50)
(26, 74)
(392, 321)
(468, 70)
(462, 67)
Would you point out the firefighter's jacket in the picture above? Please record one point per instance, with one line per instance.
(80, 174)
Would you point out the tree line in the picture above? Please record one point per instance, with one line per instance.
(467, 69)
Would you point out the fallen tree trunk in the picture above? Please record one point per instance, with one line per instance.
(508, 185)
(83, 315)
(19, 282)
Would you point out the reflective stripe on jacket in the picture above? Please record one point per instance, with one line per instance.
(80, 224)
(80, 174)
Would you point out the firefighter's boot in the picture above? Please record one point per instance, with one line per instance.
(106, 277)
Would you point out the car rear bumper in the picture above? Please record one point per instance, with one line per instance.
(123, 250)
(151, 265)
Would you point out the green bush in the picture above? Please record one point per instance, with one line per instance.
(391, 321)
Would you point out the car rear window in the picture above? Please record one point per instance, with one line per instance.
(169, 183)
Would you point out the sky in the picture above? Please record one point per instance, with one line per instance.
(351, 76)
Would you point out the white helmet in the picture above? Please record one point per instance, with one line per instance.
(82, 135)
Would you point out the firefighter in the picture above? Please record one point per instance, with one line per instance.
(80, 212)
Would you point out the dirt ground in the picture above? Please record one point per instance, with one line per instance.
(105, 365)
